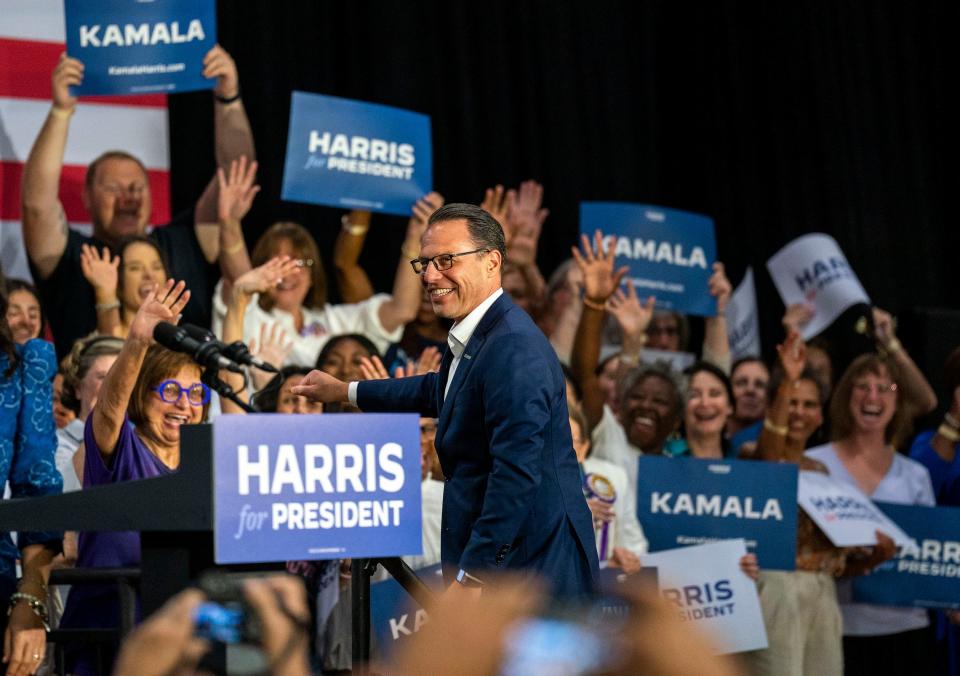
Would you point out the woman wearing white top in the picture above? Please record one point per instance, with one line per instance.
(298, 302)
(867, 416)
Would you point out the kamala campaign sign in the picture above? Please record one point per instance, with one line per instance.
(670, 252)
(684, 501)
(812, 269)
(710, 591)
(743, 324)
(845, 515)
(394, 615)
(356, 155)
(926, 571)
(137, 47)
(315, 487)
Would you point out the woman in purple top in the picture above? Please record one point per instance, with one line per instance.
(132, 433)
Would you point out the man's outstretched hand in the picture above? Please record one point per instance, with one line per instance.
(322, 387)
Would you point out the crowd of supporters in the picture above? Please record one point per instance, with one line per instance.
(107, 403)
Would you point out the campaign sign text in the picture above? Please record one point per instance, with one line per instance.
(670, 252)
(843, 512)
(289, 487)
(136, 47)
(926, 571)
(688, 501)
(356, 155)
(813, 270)
(743, 324)
(712, 593)
(394, 615)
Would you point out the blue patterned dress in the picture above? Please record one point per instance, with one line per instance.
(28, 443)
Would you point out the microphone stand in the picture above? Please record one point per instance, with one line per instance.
(209, 378)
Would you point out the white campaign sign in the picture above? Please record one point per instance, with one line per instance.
(675, 360)
(843, 512)
(743, 325)
(812, 269)
(711, 592)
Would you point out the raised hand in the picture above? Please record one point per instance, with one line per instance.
(237, 190)
(264, 277)
(632, 317)
(495, 202)
(525, 217)
(373, 369)
(67, 73)
(884, 327)
(219, 64)
(599, 278)
(164, 304)
(100, 270)
(274, 344)
(796, 316)
(793, 356)
(428, 361)
(720, 287)
(423, 209)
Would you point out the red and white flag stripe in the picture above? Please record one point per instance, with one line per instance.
(31, 40)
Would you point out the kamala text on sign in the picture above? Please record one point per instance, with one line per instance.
(131, 47)
(685, 501)
(353, 154)
(322, 488)
(926, 571)
(670, 252)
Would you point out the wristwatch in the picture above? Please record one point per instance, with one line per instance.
(468, 580)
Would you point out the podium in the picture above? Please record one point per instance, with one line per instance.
(174, 515)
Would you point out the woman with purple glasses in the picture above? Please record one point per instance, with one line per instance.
(132, 433)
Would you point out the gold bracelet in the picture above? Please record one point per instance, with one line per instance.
(948, 433)
(62, 114)
(234, 248)
(407, 252)
(893, 346)
(776, 429)
(629, 360)
(595, 305)
(950, 420)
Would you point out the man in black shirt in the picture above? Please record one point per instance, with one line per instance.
(117, 195)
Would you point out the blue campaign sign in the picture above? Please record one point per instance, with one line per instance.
(331, 486)
(394, 615)
(356, 155)
(925, 572)
(689, 501)
(136, 47)
(670, 252)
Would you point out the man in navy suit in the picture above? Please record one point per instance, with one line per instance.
(512, 498)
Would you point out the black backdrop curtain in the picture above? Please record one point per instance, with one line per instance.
(776, 118)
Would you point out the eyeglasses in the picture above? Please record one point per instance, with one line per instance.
(304, 262)
(865, 388)
(170, 391)
(441, 261)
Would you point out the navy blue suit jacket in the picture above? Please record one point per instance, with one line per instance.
(513, 497)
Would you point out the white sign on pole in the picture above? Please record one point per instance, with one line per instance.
(743, 325)
(844, 513)
(712, 593)
(812, 269)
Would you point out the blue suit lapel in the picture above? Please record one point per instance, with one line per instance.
(492, 316)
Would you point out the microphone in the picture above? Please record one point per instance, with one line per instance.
(236, 352)
(204, 352)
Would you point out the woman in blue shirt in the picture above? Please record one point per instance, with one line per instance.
(27, 445)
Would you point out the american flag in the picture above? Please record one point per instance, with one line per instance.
(32, 38)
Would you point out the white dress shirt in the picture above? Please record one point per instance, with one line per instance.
(457, 339)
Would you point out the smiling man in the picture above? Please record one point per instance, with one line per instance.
(512, 498)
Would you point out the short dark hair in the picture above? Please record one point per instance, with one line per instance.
(266, 400)
(91, 175)
(715, 371)
(484, 229)
(159, 364)
(364, 342)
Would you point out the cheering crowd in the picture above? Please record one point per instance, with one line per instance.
(106, 403)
